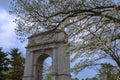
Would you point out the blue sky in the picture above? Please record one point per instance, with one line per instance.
(4, 4)
(8, 37)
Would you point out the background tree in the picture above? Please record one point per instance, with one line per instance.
(92, 26)
(93, 78)
(17, 65)
(108, 72)
(4, 61)
(75, 79)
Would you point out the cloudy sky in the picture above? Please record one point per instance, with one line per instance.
(7, 35)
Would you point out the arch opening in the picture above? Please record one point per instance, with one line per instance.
(44, 67)
(47, 69)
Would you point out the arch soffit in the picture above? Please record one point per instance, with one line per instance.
(42, 57)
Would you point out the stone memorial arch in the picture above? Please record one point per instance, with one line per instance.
(43, 45)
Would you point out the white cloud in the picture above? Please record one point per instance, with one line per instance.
(7, 34)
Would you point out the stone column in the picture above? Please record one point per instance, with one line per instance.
(28, 71)
(61, 65)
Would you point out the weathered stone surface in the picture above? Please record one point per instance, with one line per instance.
(43, 45)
